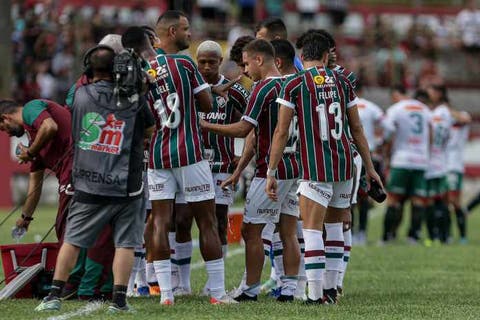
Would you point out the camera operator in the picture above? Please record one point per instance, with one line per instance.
(107, 177)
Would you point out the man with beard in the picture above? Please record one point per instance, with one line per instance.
(48, 127)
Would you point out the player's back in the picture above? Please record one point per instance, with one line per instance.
(409, 120)
(456, 146)
(370, 114)
(442, 121)
(176, 142)
(321, 98)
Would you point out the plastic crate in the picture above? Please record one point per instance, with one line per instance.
(13, 257)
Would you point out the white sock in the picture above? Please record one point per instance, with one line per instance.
(277, 248)
(224, 250)
(347, 235)
(131, 281)
(141, 278)
(216, 277)
(151, 277)
(163, 270)
(173, 257)
(289, 285)
(243, 281)
(252, 290)
(334, 248)
(314, 262)
(302, 277)
(183, 253)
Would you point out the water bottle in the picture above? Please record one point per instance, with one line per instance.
(18, 233)
(18, 149)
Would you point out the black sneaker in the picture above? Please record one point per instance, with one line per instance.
(312, 302)
(330, 296)
(245, 298)
(284, 298)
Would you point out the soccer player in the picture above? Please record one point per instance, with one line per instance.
(261, 115)
(177, 164)
(324, 102)
(338, 224)
(285, 62)
(407, 130)
(443, 118)
(371, 116)
(218, 150)
(173, 30)
(456, 167)
(174, 35)
(274, 29)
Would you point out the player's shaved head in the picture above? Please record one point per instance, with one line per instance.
(168, 19)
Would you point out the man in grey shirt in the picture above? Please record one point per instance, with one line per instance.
(107, 177)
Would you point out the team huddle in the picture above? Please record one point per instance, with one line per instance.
(312, 138)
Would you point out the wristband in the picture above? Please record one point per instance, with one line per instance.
(26, 218)
(271, 172)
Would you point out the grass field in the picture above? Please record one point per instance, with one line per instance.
(397, 281)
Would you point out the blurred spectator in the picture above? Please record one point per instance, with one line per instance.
(468, 21)
(338, 10)
(307, 10)
(247, 11)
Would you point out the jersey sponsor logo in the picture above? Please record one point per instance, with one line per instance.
(97, 177)
(241, 89)
(319, 80)
(324, 81)
(213, 116)
(100, 135)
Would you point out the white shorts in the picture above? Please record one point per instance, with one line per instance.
(327, 194)
(259, 209)
(222, 196)
(194, 181)
(357, 161)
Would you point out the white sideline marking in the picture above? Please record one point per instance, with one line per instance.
(230, 253)
(83, 311)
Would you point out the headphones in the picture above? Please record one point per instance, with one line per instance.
(87, 68)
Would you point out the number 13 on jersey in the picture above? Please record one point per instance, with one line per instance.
(334, 109)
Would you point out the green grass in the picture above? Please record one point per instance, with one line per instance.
(397, 281)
